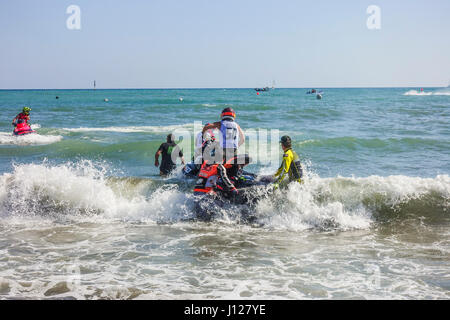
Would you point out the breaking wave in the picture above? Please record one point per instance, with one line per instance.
(427, 93)
(131, 129)
(87, 190)
(7, 138)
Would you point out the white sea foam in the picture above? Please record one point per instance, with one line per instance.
(427, 93)
(131, 129)
(417, 93)
(346, 203)
(443, 92)
(113, 257)
(7, 138)
(83, 190)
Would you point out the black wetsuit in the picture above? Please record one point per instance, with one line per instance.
(167, 149)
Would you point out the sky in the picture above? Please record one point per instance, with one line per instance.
(224, 44)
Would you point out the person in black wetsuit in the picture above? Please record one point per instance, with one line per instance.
(170, 151)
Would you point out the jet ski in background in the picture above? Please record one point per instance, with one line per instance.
(319, 95)
(262, 89)
(21, 128)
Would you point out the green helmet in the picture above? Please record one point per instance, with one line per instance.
(26, 110)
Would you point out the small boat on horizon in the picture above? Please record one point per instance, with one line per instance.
(262, 89)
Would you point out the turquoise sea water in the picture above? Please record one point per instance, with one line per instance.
(358, 132)
(85, 214)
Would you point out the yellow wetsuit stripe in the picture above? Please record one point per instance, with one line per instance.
(283, 171)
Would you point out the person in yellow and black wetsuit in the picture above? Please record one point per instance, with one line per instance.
(291, 168)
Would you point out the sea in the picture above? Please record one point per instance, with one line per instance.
(84, 213)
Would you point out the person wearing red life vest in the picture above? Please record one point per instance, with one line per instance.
(24, 116)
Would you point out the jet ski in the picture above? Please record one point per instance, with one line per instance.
(319, 95)
(191, 170)
(251, 188)
(22, 128)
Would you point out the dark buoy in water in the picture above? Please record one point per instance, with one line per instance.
(319, 96)
(57, 97)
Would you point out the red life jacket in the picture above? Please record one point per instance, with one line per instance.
(206, 171)
(23, 116)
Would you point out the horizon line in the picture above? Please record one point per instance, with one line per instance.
(209, 88)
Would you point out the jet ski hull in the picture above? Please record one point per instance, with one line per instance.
(210, 206)
(23, 132)
(22, 128)
(190, 170)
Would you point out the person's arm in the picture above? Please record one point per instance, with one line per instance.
(287, 160)
(226, 181)
(157, 154)
(14, 120)
(280, 169)
(215, 125)
(241, 136)
(180, 154)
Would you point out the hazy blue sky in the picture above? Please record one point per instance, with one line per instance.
(209, 43)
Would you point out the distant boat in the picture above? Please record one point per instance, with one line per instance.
(262, 89)
(319, 95)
